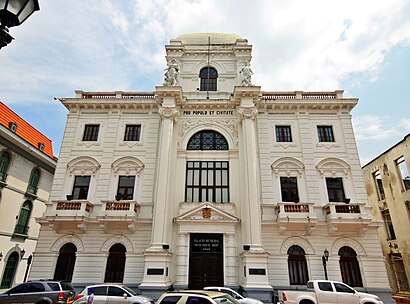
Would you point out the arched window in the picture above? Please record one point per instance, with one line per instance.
(33, 181)
(10, 270)
(114, 271)
(207, 140)
(298, 272)
(349, 267)
(24, 218)
(4, 165)
(209, 77)
(65, 263)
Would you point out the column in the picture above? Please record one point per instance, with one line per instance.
(254, 257)
(158, 255)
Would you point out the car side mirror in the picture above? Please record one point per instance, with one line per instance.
(125, 295)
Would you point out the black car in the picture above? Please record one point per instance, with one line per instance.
(39, 292)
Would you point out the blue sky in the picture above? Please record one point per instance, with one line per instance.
(362, 47)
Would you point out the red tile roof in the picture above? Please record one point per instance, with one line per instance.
(25, 130)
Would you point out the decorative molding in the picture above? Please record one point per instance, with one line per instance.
(83, 165)
(117, 239)
(288, 166)
(332, 167)
(207, 212)
(128, 165)
(296, 241)
(67, 239)
(248, 112)
(168, 113)
(345, 241)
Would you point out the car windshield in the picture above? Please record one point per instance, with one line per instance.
(226, 299)
(132, 292)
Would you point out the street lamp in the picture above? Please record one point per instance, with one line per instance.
(14, 13)
(325, 258)
(29, 259)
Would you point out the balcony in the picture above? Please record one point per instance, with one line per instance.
(118, 215)
(347, 218)
(293, 217)
(64, 214)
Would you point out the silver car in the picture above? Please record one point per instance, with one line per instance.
(112, 294)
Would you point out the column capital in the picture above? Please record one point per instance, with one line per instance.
(247, 113)
(168, 95)
(168, 113)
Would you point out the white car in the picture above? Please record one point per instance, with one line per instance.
(111, 293)
(235, 295)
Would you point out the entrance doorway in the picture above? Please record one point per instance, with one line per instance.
(205, 260)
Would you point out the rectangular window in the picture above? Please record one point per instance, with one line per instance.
(283, 134)
(126, 187)
(403, 173)
(81, 186)
(207, 181)
(132, 133)
(91, 132)
(335, 189)
(325, 133)
(289, 188)
(391, 235)
(379, 185)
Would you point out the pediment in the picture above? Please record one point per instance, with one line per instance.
(207, 212)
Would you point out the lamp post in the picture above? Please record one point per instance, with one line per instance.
(14, 13)
(325, 258)
(29, 259)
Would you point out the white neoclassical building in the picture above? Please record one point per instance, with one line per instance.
(209, 180)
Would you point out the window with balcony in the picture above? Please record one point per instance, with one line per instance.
(208, 77)
(114, 272)
(289, 189)
(91, 132)
(297, 266)
(283, 134)
(81, 187)
(403, 173)
(126, 187)
(325, 134)
(388, 224)
(33, 181)
(132, 133)
(65, 263)
(335, 189)
(349, 267)
(4, 165)
(24, 218)
(379, 185)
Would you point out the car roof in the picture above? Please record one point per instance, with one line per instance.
(209, 293)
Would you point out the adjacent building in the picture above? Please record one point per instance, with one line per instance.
(209, 180)
(27, 166)
(388, 186)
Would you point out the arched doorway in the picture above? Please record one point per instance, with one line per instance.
(114, 271)
(349, 267)
(65, 263)
(297, 266)
(10, 270)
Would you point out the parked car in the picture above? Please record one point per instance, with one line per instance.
(111, 294)
(196, 297)
(329, 292)
(234, 294)
(39, 292)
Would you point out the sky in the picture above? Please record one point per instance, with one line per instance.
(361, 47)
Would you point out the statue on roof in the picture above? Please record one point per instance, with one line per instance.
(171, 73)
(246, 74)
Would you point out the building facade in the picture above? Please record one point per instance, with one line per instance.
(209, 180)
(26, 173)
(388, 186)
